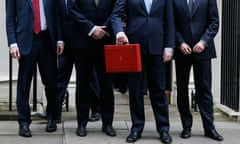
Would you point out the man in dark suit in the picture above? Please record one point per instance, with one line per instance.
(66, 62)
(92, 20)
(151, 24)
(32, 38)
(197, 24)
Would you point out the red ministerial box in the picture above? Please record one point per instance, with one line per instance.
(123, 58)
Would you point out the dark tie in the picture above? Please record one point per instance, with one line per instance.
(190, 6)
(37, 18)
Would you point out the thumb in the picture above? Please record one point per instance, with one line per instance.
(102, 27)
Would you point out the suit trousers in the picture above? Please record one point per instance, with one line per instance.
(43, 55)
(155, 72)
(65, 66)
(85, 59)
(64, 72)
(202, 81)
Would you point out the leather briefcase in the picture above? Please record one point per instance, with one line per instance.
(123, 58)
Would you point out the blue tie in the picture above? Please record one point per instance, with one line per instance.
(148, 4)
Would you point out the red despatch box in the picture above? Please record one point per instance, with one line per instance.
(123, 58)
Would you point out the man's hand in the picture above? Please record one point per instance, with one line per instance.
(121, 38)
(60, 48)
(185, 49)
(99, 32)
(199, 47)
(14, 52)
(167, 54)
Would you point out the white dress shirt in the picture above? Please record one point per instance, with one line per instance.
(43, 16)
(148, 4)
(188, 1)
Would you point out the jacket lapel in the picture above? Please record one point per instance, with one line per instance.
(154, 5)
(30, 4)
(143, 6)
(185, 7)
(195, 6)
(45, 4)
(64, 6)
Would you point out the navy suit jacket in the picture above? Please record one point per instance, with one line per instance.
(20, 23)
(86, 15)
(202, 24)
(154, 31)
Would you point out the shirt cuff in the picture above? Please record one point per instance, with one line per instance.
(13, 45)
(168, 49)
(91, 31)
(120, 33)
(204, 42)
(60, 42)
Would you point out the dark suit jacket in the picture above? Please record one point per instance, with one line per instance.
(202, 24)
(20, 23)
(86, 14)
(156, 30)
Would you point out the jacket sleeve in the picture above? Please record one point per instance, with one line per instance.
(169, 25)
(213, 22)
(118, 15)
(11, 21)
(76, 15)
(58, 21)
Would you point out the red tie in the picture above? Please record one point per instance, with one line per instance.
(37, 18)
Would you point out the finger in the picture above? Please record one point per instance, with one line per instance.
(185, 51)
(195, 49)
(165, 59)
(14, 55)
(107, 34)
(103, 33)
(119, 42)
(188, 50)
(58, 51)
(17, 55)
(182, 50)
(94, 36)
(198, 49)
(125, 40)
(102, 27)
(62, 49)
